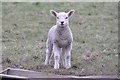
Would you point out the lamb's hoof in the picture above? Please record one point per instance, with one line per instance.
(56, 66)
(46, 63)
(68, 67)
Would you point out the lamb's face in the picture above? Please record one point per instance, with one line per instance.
(62, 19)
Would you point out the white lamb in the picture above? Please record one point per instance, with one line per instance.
(60, 40)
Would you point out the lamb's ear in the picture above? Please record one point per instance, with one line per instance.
(53, 12)
(70, 13)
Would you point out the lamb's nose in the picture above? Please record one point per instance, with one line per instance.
(62, 22)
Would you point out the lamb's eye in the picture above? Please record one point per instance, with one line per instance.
(57, 17)
(66, 18)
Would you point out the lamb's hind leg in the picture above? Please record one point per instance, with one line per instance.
(68, 56)
(49, 47)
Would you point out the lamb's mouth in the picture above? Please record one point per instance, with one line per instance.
(61, 26)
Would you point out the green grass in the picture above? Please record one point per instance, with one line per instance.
(95, 30)
(0, 36)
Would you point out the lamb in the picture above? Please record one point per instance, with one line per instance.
(60, 40)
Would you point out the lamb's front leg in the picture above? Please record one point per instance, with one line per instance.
(68, 56)
(63, 56)
(56, 51)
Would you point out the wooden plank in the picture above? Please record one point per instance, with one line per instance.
(32, 75)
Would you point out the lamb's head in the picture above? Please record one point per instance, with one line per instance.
(62, 18)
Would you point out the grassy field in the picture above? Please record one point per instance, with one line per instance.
(95, 29)
(0, 36)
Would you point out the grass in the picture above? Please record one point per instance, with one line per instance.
(0, 36)
(94, 26)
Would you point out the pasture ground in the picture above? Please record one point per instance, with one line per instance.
(95, 29)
